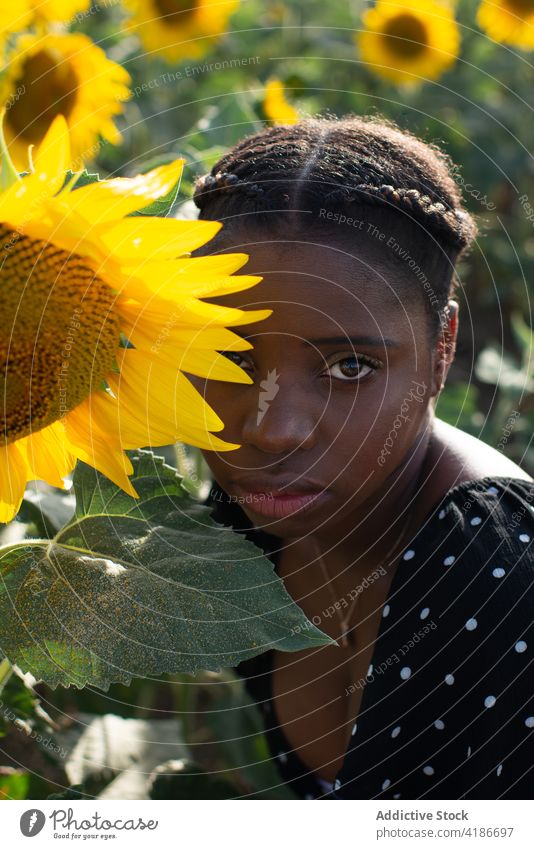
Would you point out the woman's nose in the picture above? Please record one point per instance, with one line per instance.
(282, 419)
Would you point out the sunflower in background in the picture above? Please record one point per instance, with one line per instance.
(179, 29)
(508, 21)
(409, 42)
(21, 14)
(58, 10)
(62, 74)
(14, 17)
(275, 106)
(100, 318)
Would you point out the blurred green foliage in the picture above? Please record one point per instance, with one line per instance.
(479, 112)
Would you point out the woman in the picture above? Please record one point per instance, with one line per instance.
(403, 538)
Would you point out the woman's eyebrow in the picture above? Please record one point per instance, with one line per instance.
(371, 341)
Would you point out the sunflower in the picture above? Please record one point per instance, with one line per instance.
(508, 21)
(62, 74)
(58, 10)
(179, 29)
(409, 42)
(101, 317)
(275, 106)
(15, 17)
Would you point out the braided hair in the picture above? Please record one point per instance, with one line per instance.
(321, 171)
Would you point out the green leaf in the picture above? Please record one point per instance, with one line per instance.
(14, 783)
(83, 178)
(492, 366)
(135, 587)
(162, 207)
(525, 338)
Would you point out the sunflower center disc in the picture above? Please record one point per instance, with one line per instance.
(58, 336)
(175, 11)
(48, 90)
(521, 7)
(405, 35)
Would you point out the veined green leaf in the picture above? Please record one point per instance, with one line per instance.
(135, 587)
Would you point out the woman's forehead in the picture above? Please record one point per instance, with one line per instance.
(323, 287)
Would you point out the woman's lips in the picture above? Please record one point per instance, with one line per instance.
(277, 506)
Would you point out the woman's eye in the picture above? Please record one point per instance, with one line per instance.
(235, 357)
(353, 367)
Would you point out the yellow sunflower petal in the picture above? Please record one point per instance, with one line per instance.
(158, 238)
(51, 162)
(125, 423)
(13, 477)
(110, 200)
(205, 364)
(194, 311)
(15, 17)
(161, 387)
(276, 107)
(94, 449)
(164, 283)
(58, 10)
(53, 157)
(47, 456)
(149, 336)
(152, 276)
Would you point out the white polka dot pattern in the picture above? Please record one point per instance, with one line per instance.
(450, 669)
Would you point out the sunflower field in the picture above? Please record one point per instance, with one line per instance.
(111, 109)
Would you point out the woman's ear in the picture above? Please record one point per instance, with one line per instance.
(445, 347)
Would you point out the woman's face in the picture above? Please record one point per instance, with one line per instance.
(343, 375)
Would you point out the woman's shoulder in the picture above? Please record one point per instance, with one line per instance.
(461, 469)
(455, 456)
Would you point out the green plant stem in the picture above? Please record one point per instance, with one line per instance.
(6, 671)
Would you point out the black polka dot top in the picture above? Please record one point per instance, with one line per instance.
(447, 709)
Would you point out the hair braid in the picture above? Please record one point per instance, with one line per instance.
(344, 166)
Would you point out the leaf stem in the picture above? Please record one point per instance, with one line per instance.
(8, 173)
(6, 671)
